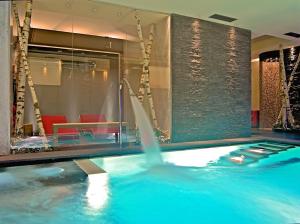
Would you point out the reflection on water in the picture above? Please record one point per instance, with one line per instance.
(190, 193)
(286, 206)
(97, 191)
(210, 194)
(48, 171)
(198, 158)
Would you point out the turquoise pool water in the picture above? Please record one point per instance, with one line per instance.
(191, 188)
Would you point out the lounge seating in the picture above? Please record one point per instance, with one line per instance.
(63, 133)
(98, 131)
(254, 118)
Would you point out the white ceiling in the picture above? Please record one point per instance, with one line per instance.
(265, 18)
(268, 43)
(88, 17)
(262, 17)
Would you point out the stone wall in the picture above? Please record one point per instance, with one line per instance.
(210, 79)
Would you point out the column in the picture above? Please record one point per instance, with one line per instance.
(4, 77)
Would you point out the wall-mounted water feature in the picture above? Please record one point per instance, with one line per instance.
(149, 142)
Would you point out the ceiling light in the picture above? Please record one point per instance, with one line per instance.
(222, 18)
(292, 34)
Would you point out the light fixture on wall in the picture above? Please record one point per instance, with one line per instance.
(105, 75)
(94, 70)
(45, 69)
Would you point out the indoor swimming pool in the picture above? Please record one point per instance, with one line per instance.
(205, 185)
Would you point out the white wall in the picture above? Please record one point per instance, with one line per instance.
(255, 88)
(5, 77)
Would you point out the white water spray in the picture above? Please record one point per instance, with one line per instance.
(148, 139)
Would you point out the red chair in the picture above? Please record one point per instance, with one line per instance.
(64, 133)
(89, 118)
(255, 119)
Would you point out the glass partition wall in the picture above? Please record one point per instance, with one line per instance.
(154, 36)
(79, 52)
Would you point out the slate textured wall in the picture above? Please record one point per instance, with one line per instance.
(210, 79)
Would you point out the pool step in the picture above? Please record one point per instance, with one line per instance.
(275, 145)
(259, 151)
(239, 160)
(279, 144)
(89, 167)
(253, 153)
(247, 154)
(273, 149)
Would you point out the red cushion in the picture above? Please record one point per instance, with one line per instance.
(49, 120)
(255, 119)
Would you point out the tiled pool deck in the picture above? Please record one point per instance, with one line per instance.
(68, 153)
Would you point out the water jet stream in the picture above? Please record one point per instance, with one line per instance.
(149, 142)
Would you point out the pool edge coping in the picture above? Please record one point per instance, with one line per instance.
(90, 152)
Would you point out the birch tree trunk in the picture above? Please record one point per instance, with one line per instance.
(146, 63)
(289, 85)
(28, 74)
(141, 91)
(144, 82)
(22, 77)
(293, 72)
(286, 114)
(147, 79)
(15, 73)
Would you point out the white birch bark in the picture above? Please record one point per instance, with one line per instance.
(147, 78)
(28, 75)
(145, 83)
(289, 85)
(293, 73)
(141, 91)
(141, 39)
(286, 114)
(146, 64)
(21, 81)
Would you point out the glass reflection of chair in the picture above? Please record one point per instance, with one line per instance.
(63, 134)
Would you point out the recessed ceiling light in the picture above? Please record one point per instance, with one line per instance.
(223, 18)
(292, 34)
